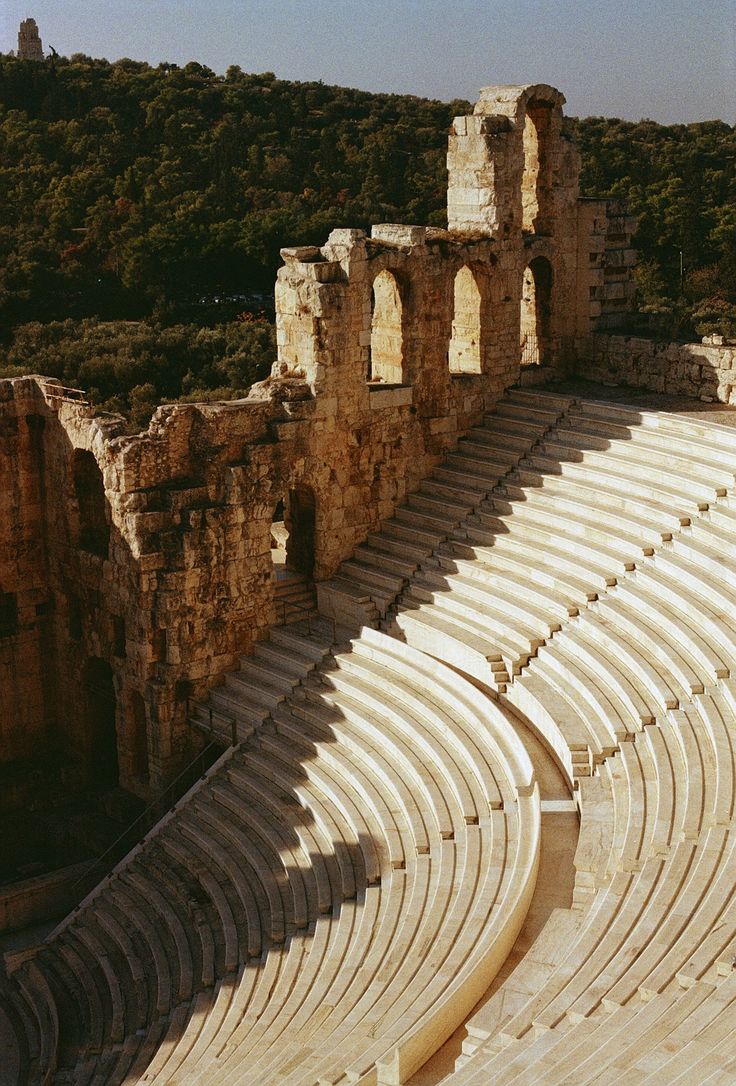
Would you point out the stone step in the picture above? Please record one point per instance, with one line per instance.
(433, 502)
(464, 486)
(410, 527)
(664, 440)
(408, 550)
(527, 413)
(384, 559)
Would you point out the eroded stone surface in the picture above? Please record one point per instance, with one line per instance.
(29, 41)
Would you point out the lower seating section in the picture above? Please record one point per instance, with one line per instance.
(332, 902)
(334, 898)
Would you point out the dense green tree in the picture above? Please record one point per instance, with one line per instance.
(143, 209)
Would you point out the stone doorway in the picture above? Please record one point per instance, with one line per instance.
(293, 554)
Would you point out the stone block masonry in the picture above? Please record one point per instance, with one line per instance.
(703, 371)
(29, 41)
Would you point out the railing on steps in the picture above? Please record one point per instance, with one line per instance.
(304, 613)
(211, 726)
(153, 813)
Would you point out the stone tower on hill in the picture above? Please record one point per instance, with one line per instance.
(29, 41)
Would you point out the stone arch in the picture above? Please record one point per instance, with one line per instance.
(100, 710)
(464, 354)
(536, 309)
(387, 339)
(89, 489)
(536, 188)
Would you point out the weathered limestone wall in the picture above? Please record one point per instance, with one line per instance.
(606, 261)
(513, 175)
(141, 565)
(25, 601)
(702, 370)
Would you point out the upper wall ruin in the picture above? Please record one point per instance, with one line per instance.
(146, 558)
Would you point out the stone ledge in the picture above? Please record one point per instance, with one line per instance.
(391, 396)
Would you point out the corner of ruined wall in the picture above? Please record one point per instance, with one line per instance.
(606, 265)
(702, 371)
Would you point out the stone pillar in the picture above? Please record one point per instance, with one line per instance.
(29, 41)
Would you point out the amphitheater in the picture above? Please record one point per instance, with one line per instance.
(472, 819)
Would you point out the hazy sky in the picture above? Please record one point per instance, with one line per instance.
(671, 60)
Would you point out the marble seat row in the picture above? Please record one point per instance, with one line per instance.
(407, 877)
(334, 898)
(639, 679)
(660, 923)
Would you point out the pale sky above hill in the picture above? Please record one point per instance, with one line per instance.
(671, 60)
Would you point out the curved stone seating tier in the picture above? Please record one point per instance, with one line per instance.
(335, 897)
(667, 893)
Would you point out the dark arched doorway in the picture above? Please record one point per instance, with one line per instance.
(89, 489)
(536, 308)
(293, 553)
(299, 520)
(100, 733)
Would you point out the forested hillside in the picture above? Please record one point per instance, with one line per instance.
(161, 196)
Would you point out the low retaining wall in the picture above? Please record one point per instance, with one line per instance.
(45, 897)
(702, 370)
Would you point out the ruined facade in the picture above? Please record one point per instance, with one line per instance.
(29, 41)
(136, 570)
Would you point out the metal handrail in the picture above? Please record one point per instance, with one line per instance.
(211, 713)
(156, 805)
(78, 394)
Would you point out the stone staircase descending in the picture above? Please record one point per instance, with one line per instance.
(248, 696)
(365, 587)
(338, 893)
(294, 598)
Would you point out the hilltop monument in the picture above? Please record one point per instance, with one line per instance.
(30, 46)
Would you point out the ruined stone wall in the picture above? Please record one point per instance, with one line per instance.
(25, 602)
(30, 46)
(705, 371)
(606, 262)
(141, 564)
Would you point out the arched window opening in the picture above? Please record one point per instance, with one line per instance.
(89, 488)
(536, 297)
(535, 187)
(139, 739)
(100, 733)
(465, 342)
(293, 554)
(387, 347)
